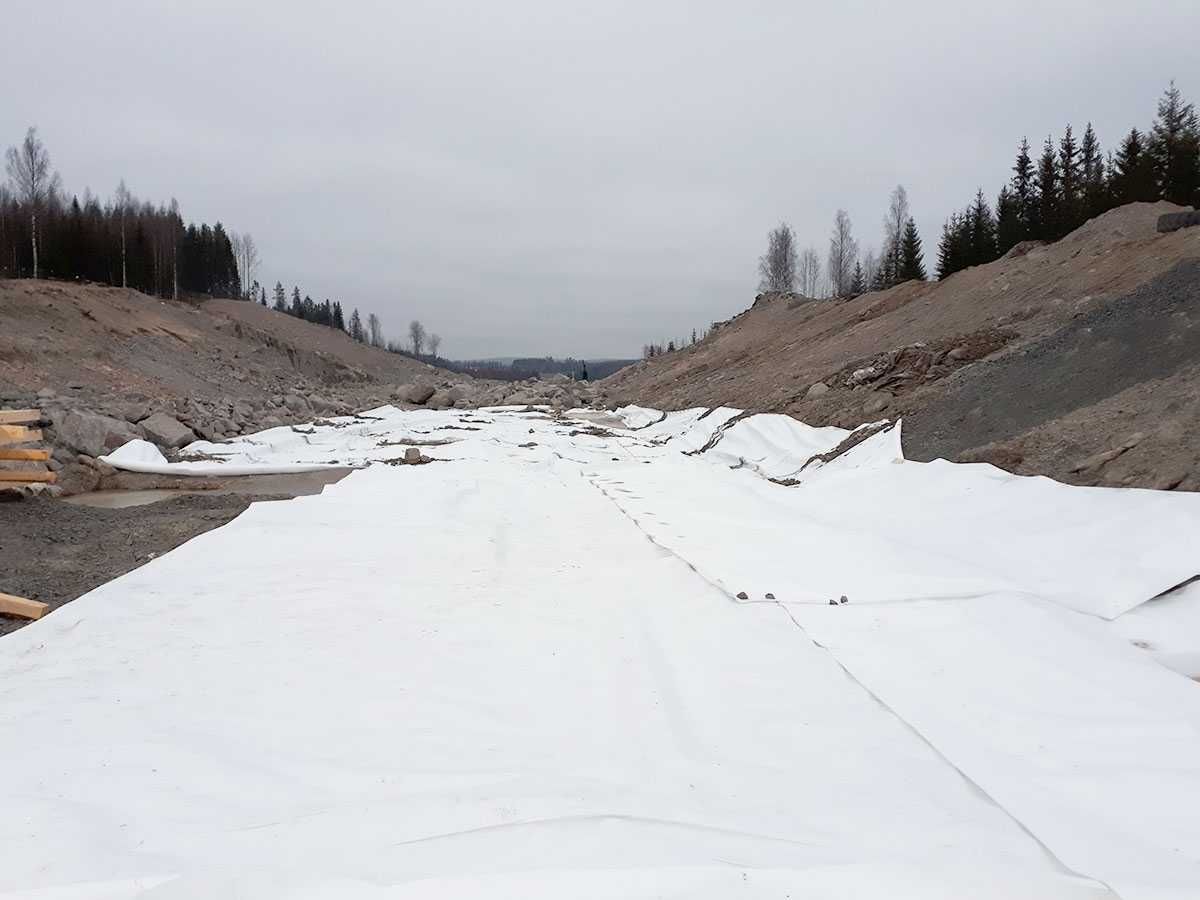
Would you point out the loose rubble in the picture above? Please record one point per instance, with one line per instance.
(79, 428)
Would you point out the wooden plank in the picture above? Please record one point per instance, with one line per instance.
(19, 434)
(24, 453)
(20, 416)
(20, 606)
(26, 476)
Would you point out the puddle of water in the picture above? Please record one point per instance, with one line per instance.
(124, 499)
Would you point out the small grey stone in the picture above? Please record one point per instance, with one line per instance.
(875, 405)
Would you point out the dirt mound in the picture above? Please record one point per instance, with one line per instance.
(113, 340)
(1023, 362)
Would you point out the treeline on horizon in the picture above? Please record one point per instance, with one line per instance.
(1071, 181)
(131, 243)
(531, 367)
(123, 241)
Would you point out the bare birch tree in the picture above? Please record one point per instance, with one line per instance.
(176, 224)
(843, 253)
(416, 336)
(123, 200)
(33, 181)
(870, 266)
(245, 255)
(809, 272)
(777, 267)
(374, 330)
(893, 235)
(435, 343)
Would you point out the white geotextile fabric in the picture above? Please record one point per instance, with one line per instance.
(143, 456)
(477, 677)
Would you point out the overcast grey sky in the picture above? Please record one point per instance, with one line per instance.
(540, 176)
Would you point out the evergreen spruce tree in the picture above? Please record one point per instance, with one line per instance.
(982, 230)
(1024, 191)
(880, 281)
(954, 251)
(889, 266)
(1175, 149)
(1047, 191)
(339, 321)
(297, 309)
(1069, 201)
(356, 327)
(280, 298)
(1091, 173)
(858, 282)
(946, 261)
(1010, 230)
(1131, 176)
(912, 257)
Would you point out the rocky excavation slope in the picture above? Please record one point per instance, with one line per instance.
(1079, 359)
(106, 365)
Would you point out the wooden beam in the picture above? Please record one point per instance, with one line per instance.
(20, 416)
(27, 476)
(24, 453)
(20, 606)
(19, 434)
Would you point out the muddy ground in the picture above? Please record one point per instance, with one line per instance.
(56, 551)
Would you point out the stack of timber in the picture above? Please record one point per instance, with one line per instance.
(23, 459)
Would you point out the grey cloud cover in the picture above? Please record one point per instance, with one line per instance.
(538, 177)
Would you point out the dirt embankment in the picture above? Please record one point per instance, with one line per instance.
(1079, 360)
(113, 341)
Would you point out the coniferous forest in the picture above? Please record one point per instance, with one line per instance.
(1055, 189)
(46, 233)
(1049, 192)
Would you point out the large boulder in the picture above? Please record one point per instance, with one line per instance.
(91, 433)
(444, 398)
(1175, 221)
(415, 393)
(524, 398)
(817, 390)
(166, 431)
(133, 410)
(295, 403)
(77, 478)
